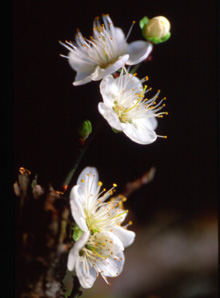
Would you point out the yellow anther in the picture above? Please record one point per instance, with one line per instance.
(99, 183)
(114, 184)
(82, 180)
(130, 222)
(165, 137)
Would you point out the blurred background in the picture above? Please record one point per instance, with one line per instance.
(175, 216)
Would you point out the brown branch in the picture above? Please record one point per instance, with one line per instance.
(147, 177)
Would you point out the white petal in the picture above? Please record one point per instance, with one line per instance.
(109, 90)
(129, 82)
(119, 34)
(151, 123)
(100, 73)
(140, 133)
(121, 42)
(126, 236)
(83, 77)
(83, 178)
(85, 272)
(117, 244)
(112, 266)
(138, 51)
(110, 116)
(74, 252)
(73, 255)
(76, 204)
(80, 63)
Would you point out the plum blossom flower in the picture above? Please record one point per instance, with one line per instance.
(105, 52)
(126, 109)
(100, 253)
(92, 213)
(99, 247)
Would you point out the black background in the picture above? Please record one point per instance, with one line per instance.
(47, 108)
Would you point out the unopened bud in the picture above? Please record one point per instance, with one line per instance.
(155, 30)
(85, 129)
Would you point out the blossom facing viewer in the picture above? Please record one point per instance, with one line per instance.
(100, 253)
(126, 109)
(101, 241)
(104, 53)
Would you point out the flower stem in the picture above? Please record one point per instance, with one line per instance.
(83, 150)
(135, 68)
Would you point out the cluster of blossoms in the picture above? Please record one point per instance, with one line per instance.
(100, 237)
(98, 234)
(124, 107)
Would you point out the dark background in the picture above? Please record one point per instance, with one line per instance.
(48, 108)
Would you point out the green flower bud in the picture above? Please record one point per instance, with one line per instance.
(85, 129)
(156, 30)
(77, 233)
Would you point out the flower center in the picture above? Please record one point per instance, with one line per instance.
(98, 246)
(125, 114)
(121, 112)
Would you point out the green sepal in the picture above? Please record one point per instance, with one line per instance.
(115, 130)
(94, 231)
(156, 40)
(77, 233)
(143, 22)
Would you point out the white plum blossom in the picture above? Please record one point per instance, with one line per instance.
(92, 213)
(100, 248)
(126, 109)
(104, 53)
(100, 253)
